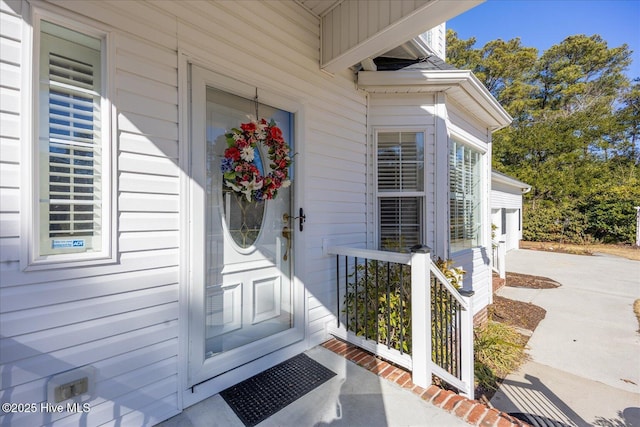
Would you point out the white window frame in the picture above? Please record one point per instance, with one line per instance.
(421, 195)
(31, 254)
(459, 136)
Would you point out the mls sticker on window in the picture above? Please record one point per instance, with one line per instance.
(67, 244)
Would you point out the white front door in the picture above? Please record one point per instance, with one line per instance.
(243, 300)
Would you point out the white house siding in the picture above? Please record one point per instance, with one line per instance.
(10, 66)
(476, 262)
(123, 318)
(438, 40)
(510, 198)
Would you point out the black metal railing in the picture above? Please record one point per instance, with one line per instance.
(403, 308)
(446, 348)
(374, 300)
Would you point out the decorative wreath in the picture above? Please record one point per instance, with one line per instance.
(240, 171)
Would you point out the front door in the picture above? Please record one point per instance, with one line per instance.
(243, 302)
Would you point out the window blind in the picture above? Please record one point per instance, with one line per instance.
(465, 203)
(70, 162)
(400, 161)
(400, 186)
(400, 222)
(74, 123)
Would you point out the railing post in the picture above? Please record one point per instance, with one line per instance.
(421, 316)
(466, 336)
(502, 259)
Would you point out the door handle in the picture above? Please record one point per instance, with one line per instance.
(286, 233)
(302, 217)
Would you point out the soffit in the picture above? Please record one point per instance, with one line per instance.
(355, 30)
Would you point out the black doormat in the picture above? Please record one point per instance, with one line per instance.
(257, 398)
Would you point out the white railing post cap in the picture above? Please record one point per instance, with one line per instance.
(420, 249)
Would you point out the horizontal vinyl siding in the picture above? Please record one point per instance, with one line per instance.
(478, 275)
(122, 318)
(505, 199)
(463, 120)
(10, 132)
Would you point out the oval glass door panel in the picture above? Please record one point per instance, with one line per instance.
(243, 215)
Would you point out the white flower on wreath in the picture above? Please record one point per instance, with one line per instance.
(234, 187)
(285, 183)
(250, 187)
(247, 154)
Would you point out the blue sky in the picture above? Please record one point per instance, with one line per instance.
(543, 23)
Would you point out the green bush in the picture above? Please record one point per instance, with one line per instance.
(368, 308)
(548, 222)
(498, 350)
(611, 217)
(386, 316)
(607, 214)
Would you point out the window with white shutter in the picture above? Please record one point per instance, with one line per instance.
(465, 203)
(400, 189)
(70, 164)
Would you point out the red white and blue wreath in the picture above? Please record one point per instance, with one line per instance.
(240, 171)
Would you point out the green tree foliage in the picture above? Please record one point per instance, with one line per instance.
(575, 136)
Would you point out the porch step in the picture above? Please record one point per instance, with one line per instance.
(471, 411)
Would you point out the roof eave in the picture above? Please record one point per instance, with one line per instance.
(430, 81)
(510, 181)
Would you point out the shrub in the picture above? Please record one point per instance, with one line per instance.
(378, 301)
(380, 293)
(545, 221)
(498, 350)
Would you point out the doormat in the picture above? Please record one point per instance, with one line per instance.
(257, 398)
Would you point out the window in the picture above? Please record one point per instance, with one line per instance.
(519, 220)
(72, 154)
(465, 199)
(400, 189)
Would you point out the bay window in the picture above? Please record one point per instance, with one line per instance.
(465, 197)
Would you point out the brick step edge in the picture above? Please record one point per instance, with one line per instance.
(472, 411)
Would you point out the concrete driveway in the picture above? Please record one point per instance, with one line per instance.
(584, 367)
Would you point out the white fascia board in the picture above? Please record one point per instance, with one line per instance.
(501, 178)
(482, 95)
(395, 34)
(438, 81)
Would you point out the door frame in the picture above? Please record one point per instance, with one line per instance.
(191, 393)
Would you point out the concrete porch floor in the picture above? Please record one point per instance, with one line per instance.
(354, 397)
(366, 391)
